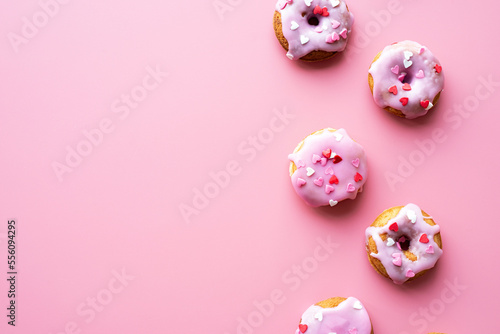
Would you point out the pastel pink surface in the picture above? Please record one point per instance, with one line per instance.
(224, 106)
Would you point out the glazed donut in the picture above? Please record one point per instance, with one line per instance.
(328, 167)
(403, 243)
(336, 315)
(406, 79)
(312, 30)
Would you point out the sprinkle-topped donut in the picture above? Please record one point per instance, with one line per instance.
(406, 79)
(312, 30)
(335, 315)
(328, 167)
(403, 243)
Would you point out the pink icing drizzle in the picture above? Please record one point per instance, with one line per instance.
(342, 319)
(387, 254)
(353, 161)
(389, 70)
(329, 35)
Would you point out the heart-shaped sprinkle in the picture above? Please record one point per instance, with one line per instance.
(336, 158)
(394, 227)
(355, 162)
(303, 39)
(424, 104)
(338, 136)
(302, 328)
(300, 182)
(423, 239)
(310, 171)
(406, 86)
(318, 29)
(358, 177)
(332, 38)
(327, 153)
(399, 245)
(390, 242)
(410, 273)
(438, 68)
(300, 164)
(329, 170)
(294, 25)
(430, 250)
(411, 215)
(321, 11)
(397, 259)
(421, 51)
(393, 90)
(353, 331)
(323, 161)
(308, 2)
(289, 56)
(335, 3)
(407, 63)
(357, 305)
(429, 106)
(333, 180)
(335, 23)
(404, 101)
(408, 54)
(395, 69)
(329, 189)
(420, 74)
(350, 188)
(402, 76)
(286, 2)
(318, 181)
(315, 158)
(332, 202)
(343, 33)
(319, 316)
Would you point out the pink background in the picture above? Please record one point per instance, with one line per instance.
(119, 209)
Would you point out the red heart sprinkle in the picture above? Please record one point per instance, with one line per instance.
(317, 10)
(325, 12)
(358, 177)
(424, 239)
(333, 180)
(438, 68)
(403, 100)
(394, 227)
(302, 328)
(337, 159)
(393, 90)
(406, 86)
(327, 153)
(424, 104)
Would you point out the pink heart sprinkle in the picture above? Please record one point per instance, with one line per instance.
(315, 158)
(300, 164)
(395, 69)
(329, 189)
(319, 181)
(318, 29)
(397, 259)
(402, 76)
(355, 162)
(329, 170)
(343, 33)
(332, 38)
(402, 239)
(335, 24)
(420, 74)
(421, 51)
(350, 188)
(300, 182)
(323, 161)
(399, 245)
(430, 250)
(410, 273)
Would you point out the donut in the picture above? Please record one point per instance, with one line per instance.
(406, 79)
(403, 243)
(335, 315)
(328, 167)
(312, 30)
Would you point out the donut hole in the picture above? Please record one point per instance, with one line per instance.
(313, 20)
(408, 78)
(404, 242)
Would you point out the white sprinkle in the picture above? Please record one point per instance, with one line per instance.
(294, 25)
(333, 203)
(303, 39)
(390, 242)
(411, 215)
(310, 171)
